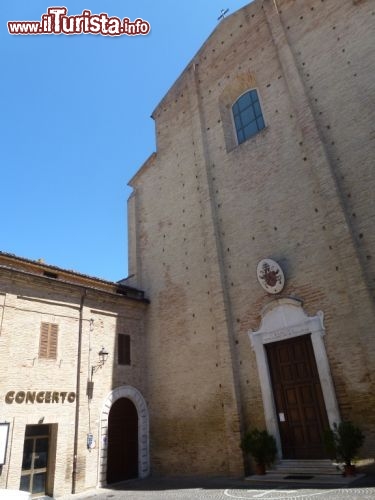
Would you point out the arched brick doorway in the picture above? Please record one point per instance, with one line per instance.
(128, 393)
(122, 454)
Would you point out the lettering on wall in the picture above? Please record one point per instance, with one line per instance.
(31, 397)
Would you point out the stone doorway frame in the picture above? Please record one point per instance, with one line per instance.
(129, 392)
(283, 319)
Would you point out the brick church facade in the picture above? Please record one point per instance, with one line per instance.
(265, 149)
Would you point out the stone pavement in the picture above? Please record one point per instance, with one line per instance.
(229, 488)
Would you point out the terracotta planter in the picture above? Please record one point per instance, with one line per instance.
(260, 469)
(350, 470)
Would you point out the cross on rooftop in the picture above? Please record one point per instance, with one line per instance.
(223, 14)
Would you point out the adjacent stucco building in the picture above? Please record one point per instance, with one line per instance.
(57, 397)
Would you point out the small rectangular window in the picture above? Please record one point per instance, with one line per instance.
(48, 274)
(48, 340)
(123, 349)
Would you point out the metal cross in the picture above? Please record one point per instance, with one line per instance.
(223, 14)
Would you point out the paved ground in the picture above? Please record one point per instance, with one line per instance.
(226, 489)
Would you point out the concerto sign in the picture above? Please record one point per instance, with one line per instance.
(39, 397)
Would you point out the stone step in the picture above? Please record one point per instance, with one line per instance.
(305, 467)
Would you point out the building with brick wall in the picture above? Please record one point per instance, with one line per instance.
(63, 410)
(252, 234)
(251, 231)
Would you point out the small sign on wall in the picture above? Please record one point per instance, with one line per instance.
(90, 441)
(4, 432)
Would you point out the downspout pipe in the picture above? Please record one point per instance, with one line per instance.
(78, 385)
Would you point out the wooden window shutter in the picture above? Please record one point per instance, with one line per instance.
(53, 334)
(48, 340)
(123, 349)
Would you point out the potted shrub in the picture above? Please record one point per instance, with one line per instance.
(344, 442)
(262, 447)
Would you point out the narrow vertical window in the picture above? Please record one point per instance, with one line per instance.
(247, 115)
(123, 349)
(48, 340)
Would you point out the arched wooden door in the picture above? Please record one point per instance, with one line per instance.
(122, 458)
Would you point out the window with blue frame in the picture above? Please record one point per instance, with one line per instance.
(247, 115)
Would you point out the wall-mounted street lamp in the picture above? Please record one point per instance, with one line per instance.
(103, 356)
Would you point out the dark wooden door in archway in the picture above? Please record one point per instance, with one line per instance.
(122, 458)
(298, 397)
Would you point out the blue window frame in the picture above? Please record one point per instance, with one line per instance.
(247, 115)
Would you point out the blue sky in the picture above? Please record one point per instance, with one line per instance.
(75, 125)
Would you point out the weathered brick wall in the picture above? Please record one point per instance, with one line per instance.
(338, 80)
(207, 211)
(25, 303)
